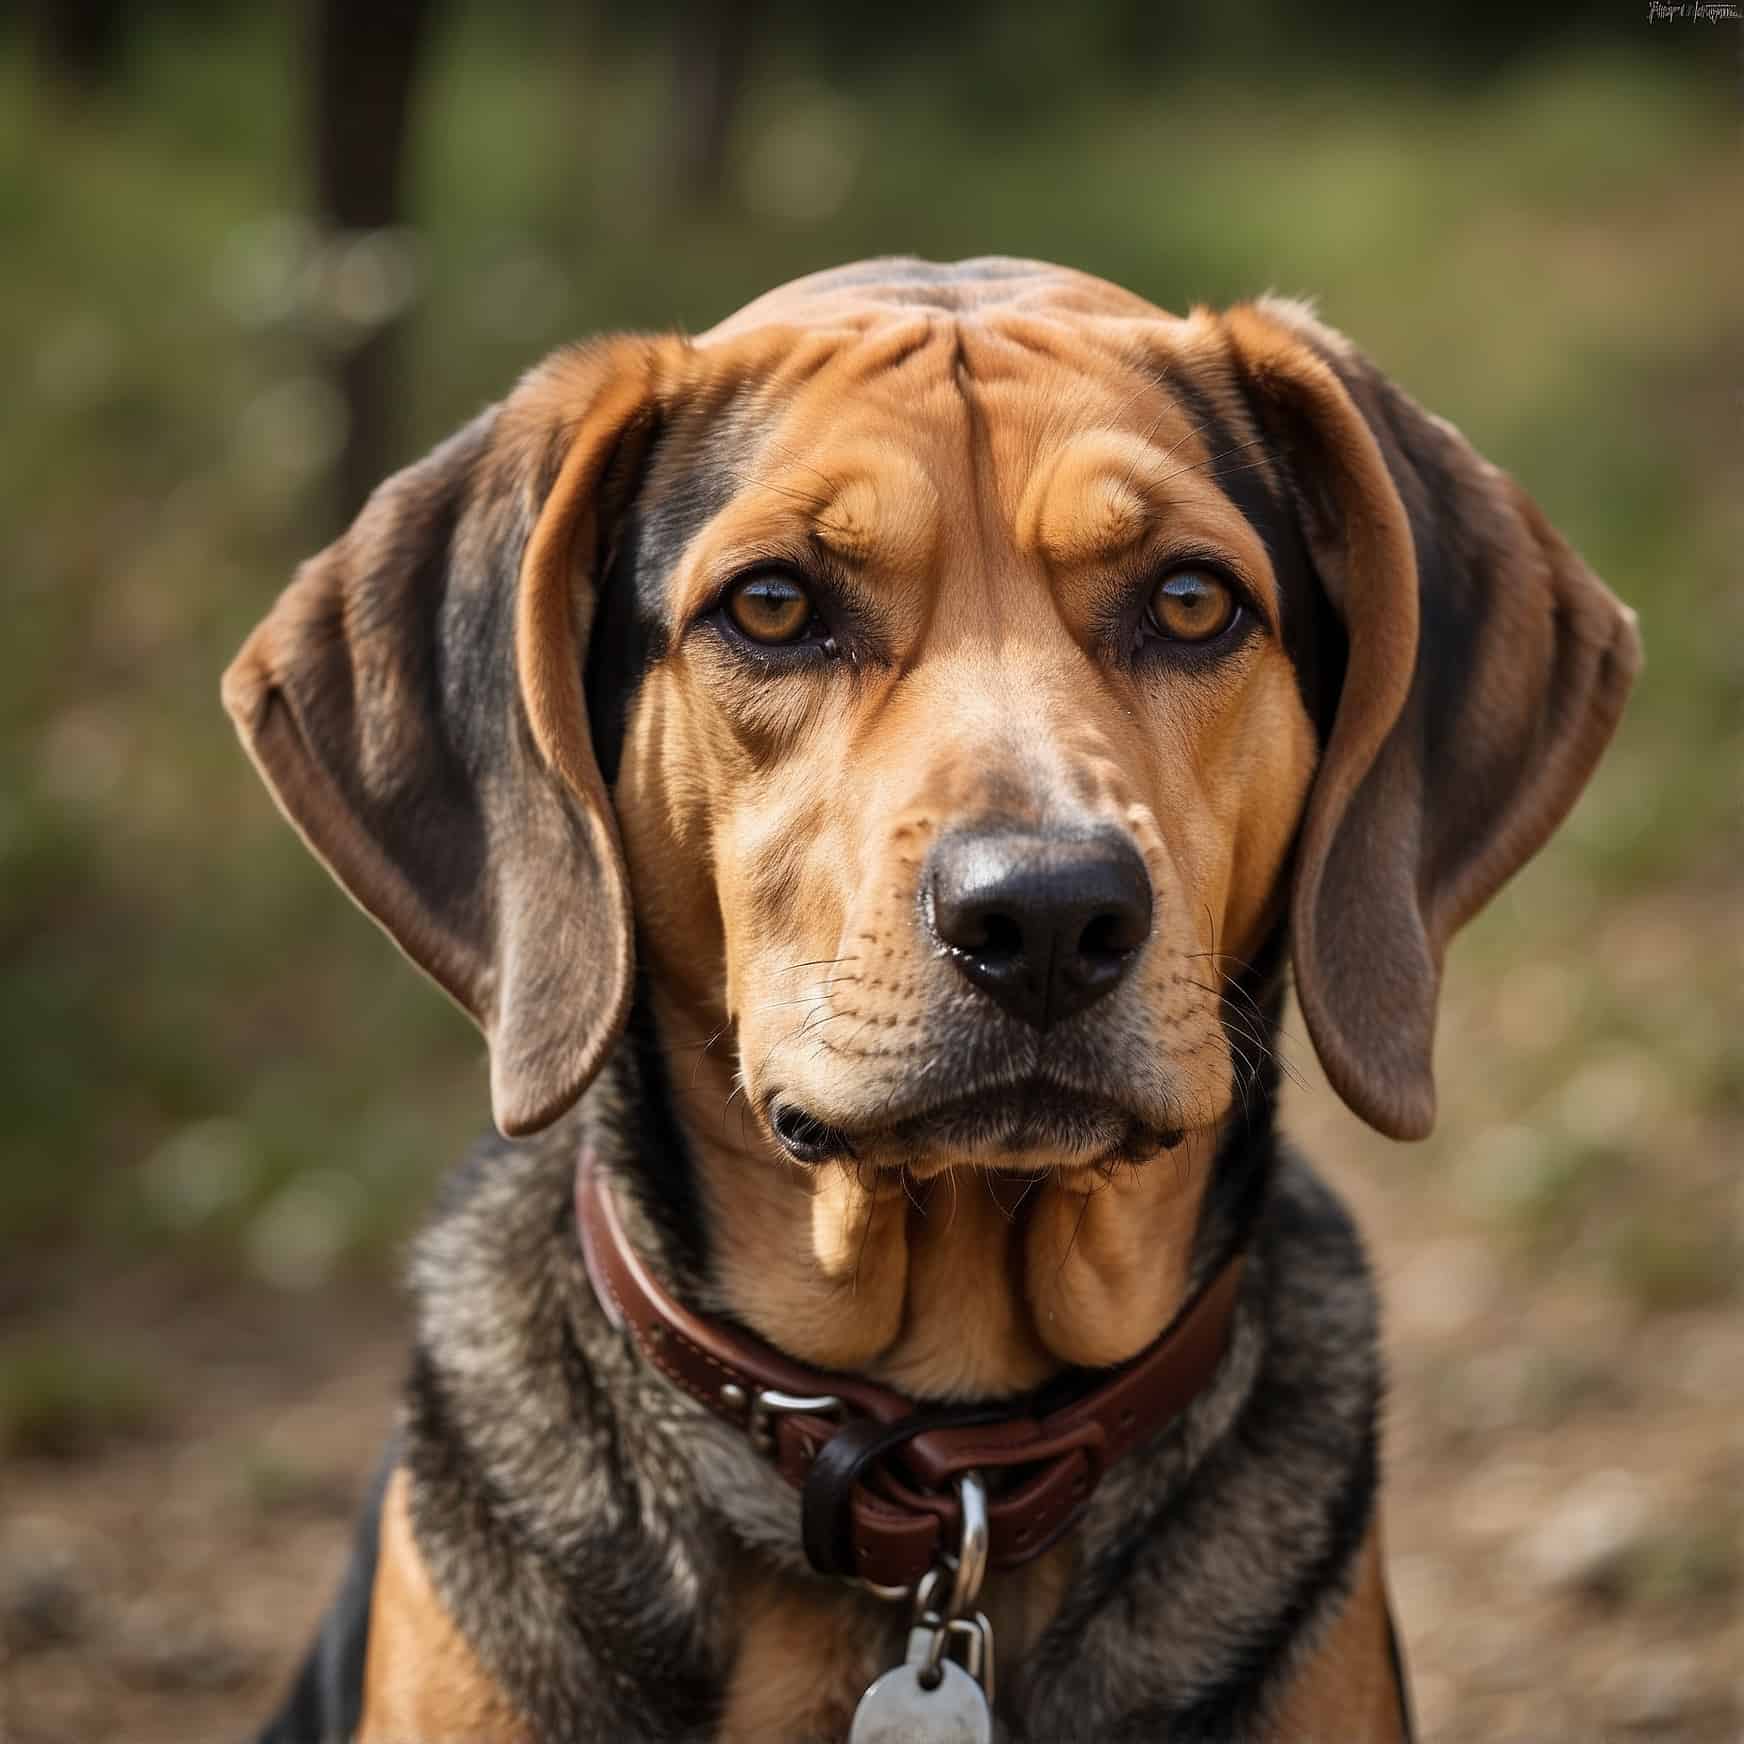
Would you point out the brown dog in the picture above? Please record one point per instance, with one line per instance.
(962, 691)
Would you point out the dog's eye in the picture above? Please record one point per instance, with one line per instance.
(770, 607)
(1192, 605)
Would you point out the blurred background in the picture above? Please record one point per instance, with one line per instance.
(256, 256)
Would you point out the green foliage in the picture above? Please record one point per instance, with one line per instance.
(59, 1400)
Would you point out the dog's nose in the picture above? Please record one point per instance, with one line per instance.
(1043, 924)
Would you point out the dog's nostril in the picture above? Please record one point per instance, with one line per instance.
(1000, 937)
(804, 1137)
(1109, 936)
(796, 1126)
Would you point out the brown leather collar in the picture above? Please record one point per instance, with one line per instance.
(877, 1473)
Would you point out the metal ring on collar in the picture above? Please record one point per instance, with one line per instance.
(972, 1547)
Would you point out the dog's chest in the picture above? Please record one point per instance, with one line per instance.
(807, 1650)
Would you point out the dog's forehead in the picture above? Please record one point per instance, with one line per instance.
(871, 293)
(855, 386)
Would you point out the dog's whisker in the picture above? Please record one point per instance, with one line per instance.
(810, 998)
(734, 1095)
(702, 1054)
(1186, 436)
(1239, 991)
(1248, 1073)
(1144, 446)
(794, 1034)
(812, 502)
(1236, 1021)
(866, 1222)
(799, 459)
(702, 1047)
(1077, 1228)
(847, 1046)
(1028, 1188)
(1241, 963)
(1233, 1015)
(1225, 454)
(1267, 1051)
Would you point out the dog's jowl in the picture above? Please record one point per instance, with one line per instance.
(871, 771)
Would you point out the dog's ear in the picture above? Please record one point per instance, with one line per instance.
(414, 702)
(1486, 667)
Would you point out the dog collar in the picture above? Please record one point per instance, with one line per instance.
(888, 1485)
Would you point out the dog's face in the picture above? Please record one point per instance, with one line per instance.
(974, 749)
(984, 670)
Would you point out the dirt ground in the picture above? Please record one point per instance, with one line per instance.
(1564, 1504)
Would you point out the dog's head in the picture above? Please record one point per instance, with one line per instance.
(961, 676)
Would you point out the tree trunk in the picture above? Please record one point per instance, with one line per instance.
(711, 53)
(365, 62)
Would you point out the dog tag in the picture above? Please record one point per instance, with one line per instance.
(899, 1709)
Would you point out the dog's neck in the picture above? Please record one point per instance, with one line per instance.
(970, 1285)
(519, 1365)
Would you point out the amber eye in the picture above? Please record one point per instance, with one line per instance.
(770, 607)
(1192, 605)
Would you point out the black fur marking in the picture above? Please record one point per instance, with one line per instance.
(629, 634)
(684, 482)
(325, 1703)
(1226, 1712)
(1453, 605)
(644, 1126)
(1313, 636)
(548, 1496)
(1241, 1173)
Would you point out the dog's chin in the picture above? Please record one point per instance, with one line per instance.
(1028, 1127)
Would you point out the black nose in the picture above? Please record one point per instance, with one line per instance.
(1044, 924)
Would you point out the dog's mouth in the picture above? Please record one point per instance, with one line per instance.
(1016, 1123)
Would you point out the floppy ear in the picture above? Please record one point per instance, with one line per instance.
(414, 702)
(1486, 668)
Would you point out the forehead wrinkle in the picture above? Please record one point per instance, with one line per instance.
(1094, 496)
(885, 350)
(876, 510)
(847, 460)
(882, 516)
(1043, 386)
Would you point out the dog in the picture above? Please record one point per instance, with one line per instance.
(870, 771)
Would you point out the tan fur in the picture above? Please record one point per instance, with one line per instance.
(808, 1649)
(769, 834)
(1346, 1693)
(422, 1683)
(805, 1656)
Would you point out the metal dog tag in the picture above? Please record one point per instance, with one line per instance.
(899, 1709)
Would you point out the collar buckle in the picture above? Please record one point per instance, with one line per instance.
(769, 1403)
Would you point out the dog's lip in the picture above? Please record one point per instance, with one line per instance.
(1026, 1097)
(1032, 1108)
